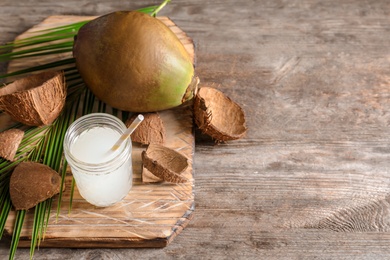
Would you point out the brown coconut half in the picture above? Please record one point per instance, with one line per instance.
(165, 163)
(218, 116)
(151, 129)
(32, 183)
(9, 143)
(35, 100)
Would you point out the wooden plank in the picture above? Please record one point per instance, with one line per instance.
(151, 215)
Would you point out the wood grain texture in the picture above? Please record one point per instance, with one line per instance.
(311, 178)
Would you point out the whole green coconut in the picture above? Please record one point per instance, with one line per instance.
(133, 62)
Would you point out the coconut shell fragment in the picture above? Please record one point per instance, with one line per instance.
(9, 143)
(218, 116)
(35, 100)
(165, 163)
(151, 129)
(148, 177)
(32, 183)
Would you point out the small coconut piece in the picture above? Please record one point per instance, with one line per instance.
(151, 129)
(9, 143)
(35, 100)
(148, 177)
(32, 183)
(218, 116)
(165, 163)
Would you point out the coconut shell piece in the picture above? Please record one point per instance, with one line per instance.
(151, 129)
(148, 177)
(35, 100)
(218, 116)
(165, 163)
(32, 183)
(9, 143)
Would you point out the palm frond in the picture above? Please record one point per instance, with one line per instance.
(6, 208)
(20, 214)
(41, 50)
(51, 35)
(51, 65)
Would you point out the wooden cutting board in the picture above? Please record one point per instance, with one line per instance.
(151, 215)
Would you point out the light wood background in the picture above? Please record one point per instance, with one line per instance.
(311, 180)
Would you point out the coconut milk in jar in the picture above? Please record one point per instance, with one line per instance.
(103, 177)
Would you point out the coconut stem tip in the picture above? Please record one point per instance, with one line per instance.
(128, 132)
(158, 8)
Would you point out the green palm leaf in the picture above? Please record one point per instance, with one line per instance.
(45, 144)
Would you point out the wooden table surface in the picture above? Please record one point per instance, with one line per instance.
(311, 180)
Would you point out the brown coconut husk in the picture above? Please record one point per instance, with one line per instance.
(148, 177)
(150, 130)
(218, 116)
(32, 183)
(9, 143)
(165, 163)
(35, 100)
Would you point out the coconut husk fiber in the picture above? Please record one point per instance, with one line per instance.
(9, 143)
(32, 183)
(150, 130)
(217, 115)
(35, 100)
(148, 177)
(165, 163)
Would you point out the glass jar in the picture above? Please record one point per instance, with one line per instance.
(103, 177)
